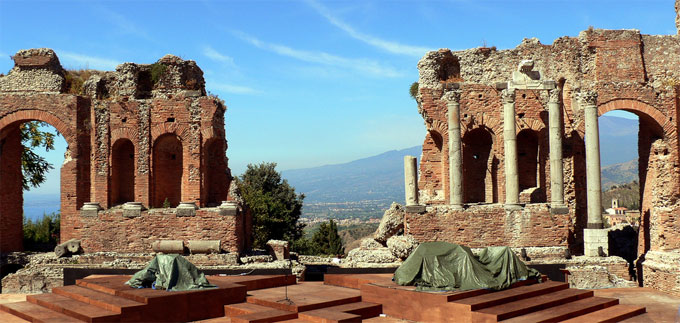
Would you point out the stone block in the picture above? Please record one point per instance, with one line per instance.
(132, 209)
(228, 208)
(279, 249)
(90, 209)
(186, 209)
(593, 239)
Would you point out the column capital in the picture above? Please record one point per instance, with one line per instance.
(554, 96)
(508, 95)
(452, 96)
(588, 98)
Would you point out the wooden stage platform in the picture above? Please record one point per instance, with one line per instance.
(340, 298)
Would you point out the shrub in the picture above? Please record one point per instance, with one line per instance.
(42, 234)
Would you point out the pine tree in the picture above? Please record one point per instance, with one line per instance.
(327, 241)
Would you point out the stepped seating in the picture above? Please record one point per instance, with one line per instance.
(341, 298)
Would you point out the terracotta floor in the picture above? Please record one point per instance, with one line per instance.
(661, 307)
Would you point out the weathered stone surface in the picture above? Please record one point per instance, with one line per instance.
(204, 246)
(278, 249)
(402, 246)
(392, 222)
(35, 70)
(168, 246)
(37, 279)
(596, 277)
(376, 256)
(370, 243)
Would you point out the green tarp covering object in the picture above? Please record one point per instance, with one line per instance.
(169, 272)
(448, 266)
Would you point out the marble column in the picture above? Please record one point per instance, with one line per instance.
(510, 141)
(555, 136)
(411, 180)
(455, 154)
(589, 101)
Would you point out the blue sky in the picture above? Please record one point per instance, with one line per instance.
(306, 83)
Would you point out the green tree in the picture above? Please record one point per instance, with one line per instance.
(274, 205)
(42, 234)
(34, 167)
(326, 241)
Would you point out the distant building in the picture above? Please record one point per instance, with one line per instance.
(615, 209)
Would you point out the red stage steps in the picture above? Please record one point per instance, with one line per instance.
(342, 298)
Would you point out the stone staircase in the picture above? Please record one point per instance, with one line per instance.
(341, 298)
(525, 302)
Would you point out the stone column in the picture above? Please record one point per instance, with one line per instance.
(411, 180)
(510, 141)
(455, 153)
(589, 100)
(555, 134)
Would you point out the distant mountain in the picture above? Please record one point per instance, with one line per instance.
(379, 177)
(618, 174)
(618, 140)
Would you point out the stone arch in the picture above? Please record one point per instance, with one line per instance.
(44, 116)
(479, 169)
(215, 178)
(181, 130)
(124, 133)
(122, 171)
(654, 135)
(168, 169)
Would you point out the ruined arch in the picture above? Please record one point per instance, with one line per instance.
(216, 180)
(11, 191)
(479, 167)
(654, 147)
(168, 170)
(122, 172)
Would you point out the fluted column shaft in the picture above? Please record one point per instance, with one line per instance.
(455, 153)
(589, 101)
(510, 142)
(555, 134)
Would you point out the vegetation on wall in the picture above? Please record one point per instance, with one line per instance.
(157, 70)
(413, 90)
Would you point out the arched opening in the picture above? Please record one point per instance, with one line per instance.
(31, 153)
(527, 158)
(167, 171)
(477, 169)
(634, 161)
(215, 175)
(122, 172)
(431, 183)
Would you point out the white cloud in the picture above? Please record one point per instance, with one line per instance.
(217, 56)
(358, 64)
(386, 45)
(122, 23)
(75, 60)
(230, 88)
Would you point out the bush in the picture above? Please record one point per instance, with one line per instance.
(43, 234)
(326, 241)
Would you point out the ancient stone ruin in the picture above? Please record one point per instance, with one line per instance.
(145, 160)
(511, 155)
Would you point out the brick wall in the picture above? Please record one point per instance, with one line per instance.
(128, 140)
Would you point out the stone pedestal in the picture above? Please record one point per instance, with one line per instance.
(228, 208)
(90, 209)
(132, 209)
(455, 153)
(279, 249)
(186, 209)
(593, 239)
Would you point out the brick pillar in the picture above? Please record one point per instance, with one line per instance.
(510, 141)
(101, 147)
(11, 197)
(455, 153)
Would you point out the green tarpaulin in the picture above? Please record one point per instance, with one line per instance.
(448, 266)
(169, 272)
